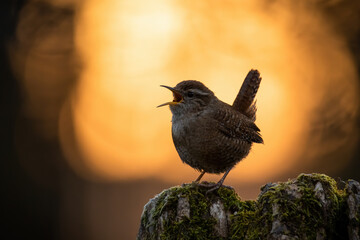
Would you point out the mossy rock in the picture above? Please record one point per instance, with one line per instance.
(309, 207)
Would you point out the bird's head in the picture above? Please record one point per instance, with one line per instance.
(189, 96)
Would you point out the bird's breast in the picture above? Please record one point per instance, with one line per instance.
(179, 127)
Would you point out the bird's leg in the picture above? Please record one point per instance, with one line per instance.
(220, 183)
(200, 176)
(214, 186)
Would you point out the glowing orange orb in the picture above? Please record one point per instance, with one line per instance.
(131, 47)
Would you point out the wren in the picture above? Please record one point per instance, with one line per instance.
(210, 135)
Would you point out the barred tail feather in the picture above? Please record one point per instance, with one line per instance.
(244, 101)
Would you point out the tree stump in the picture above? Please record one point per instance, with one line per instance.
(308, 207)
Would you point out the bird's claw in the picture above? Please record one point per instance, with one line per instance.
(217, 186)
(213, 186)
(206, 184)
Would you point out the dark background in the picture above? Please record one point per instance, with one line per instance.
(33, 205)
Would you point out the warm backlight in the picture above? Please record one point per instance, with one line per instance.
(129, 48)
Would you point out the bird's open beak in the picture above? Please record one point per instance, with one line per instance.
(178, 97)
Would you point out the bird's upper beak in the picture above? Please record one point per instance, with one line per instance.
(178, 97)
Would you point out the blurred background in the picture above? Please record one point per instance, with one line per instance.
(83, 145)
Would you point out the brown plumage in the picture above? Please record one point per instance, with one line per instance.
(210, 135)
(244, 101)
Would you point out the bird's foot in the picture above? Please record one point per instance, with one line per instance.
(206, 184)
(213, 186)
(217, 186)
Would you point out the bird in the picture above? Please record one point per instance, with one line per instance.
(210, 135)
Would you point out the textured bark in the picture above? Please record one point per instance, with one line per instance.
(308, 207)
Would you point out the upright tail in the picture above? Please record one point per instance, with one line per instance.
(244, 101)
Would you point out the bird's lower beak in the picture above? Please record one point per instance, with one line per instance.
(178, 97)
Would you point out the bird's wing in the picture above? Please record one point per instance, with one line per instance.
(235, 125)
(244, 101)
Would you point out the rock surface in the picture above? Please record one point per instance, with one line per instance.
(308, 207)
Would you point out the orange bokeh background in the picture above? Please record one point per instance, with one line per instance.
(129, 48)
(85, 146)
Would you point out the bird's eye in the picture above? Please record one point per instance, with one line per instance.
(190, 94)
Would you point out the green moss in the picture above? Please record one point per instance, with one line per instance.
(200, 225)
(303, 208)
(243, 219)
(294, 205)
(230, 199)
(334, 218)
(197, 226)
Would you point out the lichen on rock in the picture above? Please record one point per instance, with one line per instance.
(308, 207)
(304, 208)
(187, 212)
(353, 210)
